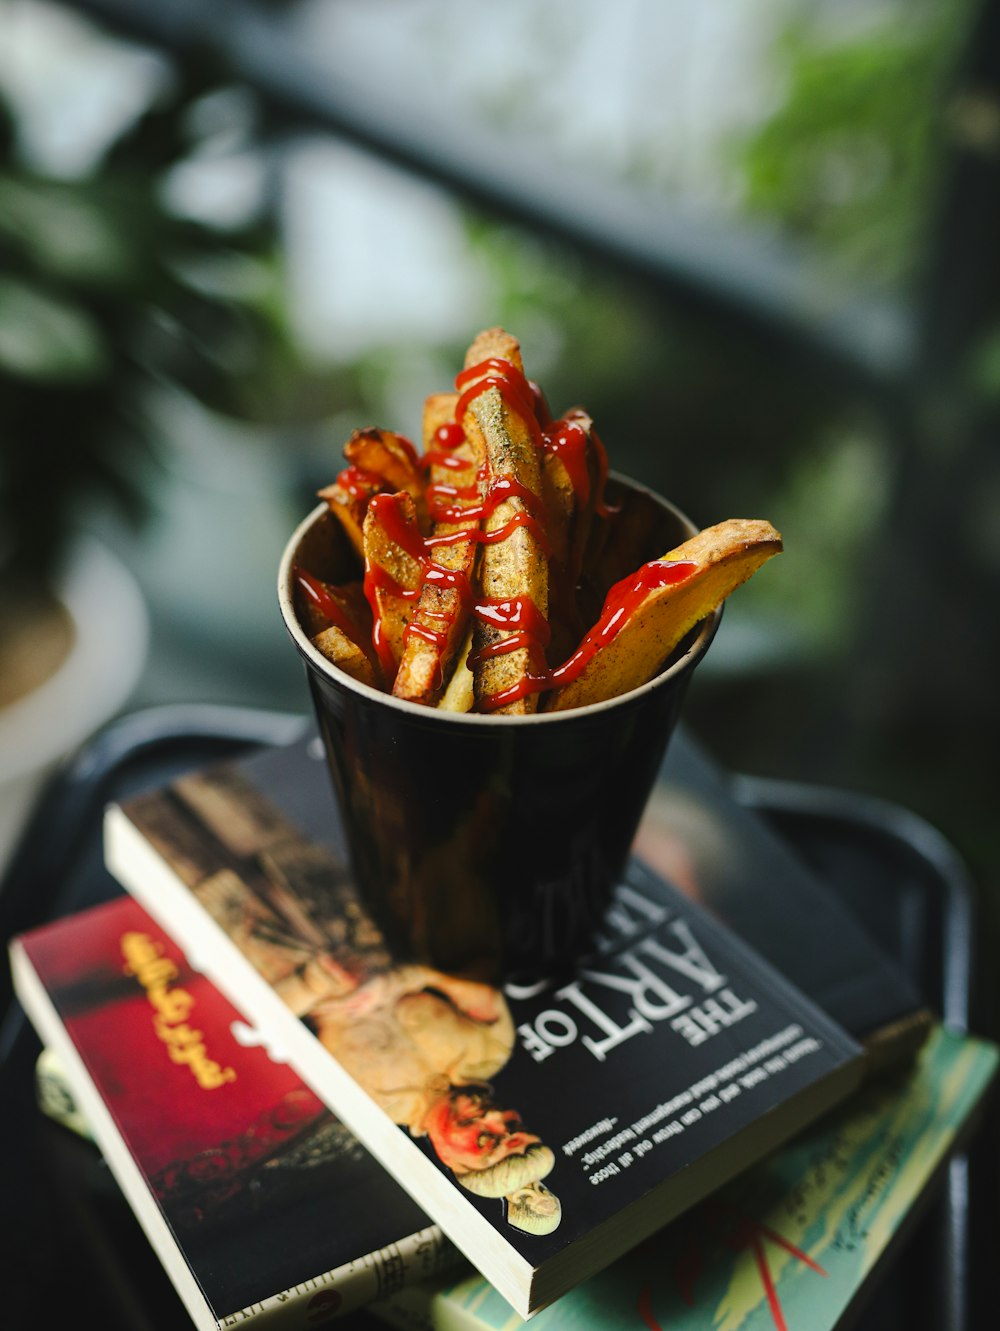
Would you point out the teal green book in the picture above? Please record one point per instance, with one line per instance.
(788, 1245)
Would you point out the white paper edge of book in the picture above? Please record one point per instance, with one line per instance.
(356, 1281)
(147, 876)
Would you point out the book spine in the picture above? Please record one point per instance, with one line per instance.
(378, 1276)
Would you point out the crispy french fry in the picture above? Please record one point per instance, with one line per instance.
(723, 557)
(571, 479)
(439, 409)
(321, 606)
(570, 486)
(441, 616)
(513, 567)
(377, 460)
(391, 459)
(348, 501)
(320, 603)
(460, 694)
(393, 573)
(338, 648)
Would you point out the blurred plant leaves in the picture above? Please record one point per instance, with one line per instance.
(848, 158)
(106, 294)
(46, 339)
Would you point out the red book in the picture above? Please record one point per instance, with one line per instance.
(255, 1197)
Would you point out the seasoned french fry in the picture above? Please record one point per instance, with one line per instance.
(347, 499)
(571, 478)
(460, 694)
(378, 460)
(513, 567)
(441, 615)
(721, 558)
(390, 459)
(338, 648)
(321, 603)
(323, 608)
(439, 409)
(393, 573)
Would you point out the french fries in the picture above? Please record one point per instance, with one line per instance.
(442, 612)
(492, 572)
(663, 610)
(514, 567)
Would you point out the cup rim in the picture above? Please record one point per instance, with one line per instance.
(683, 664)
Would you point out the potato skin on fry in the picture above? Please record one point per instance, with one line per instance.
(724, 557)
(494, 344)
(338, 649)
(441, 615)
(389, 459)
(515, 568)
(459, 695)
(392, 576)
(348, 504)
(570, 506)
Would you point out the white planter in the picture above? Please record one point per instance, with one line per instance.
(111, 637)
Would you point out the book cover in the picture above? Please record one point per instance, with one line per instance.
(259, 1203)
(789, 1246)
(545, 1130)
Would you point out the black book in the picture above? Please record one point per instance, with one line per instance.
(727, 857)
(545, 1130)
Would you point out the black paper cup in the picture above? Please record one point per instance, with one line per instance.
(482, 845)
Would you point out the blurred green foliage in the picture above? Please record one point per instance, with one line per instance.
(107, 295)
(848, 163)
(849, 158)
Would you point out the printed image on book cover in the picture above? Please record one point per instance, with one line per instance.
(263, 1188)
(552, 1109)
(788, 1245)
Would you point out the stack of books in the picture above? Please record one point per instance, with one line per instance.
(305, 1124)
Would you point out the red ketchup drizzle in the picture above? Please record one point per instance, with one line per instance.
(327, 604)
(509, 382)
(620, 605)
(523, 624)
(400, 532)
(567, 439)
(450, 435)
(387, 513)
(357, 482)
(407, 446)
(518, 616)
(503, 488)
